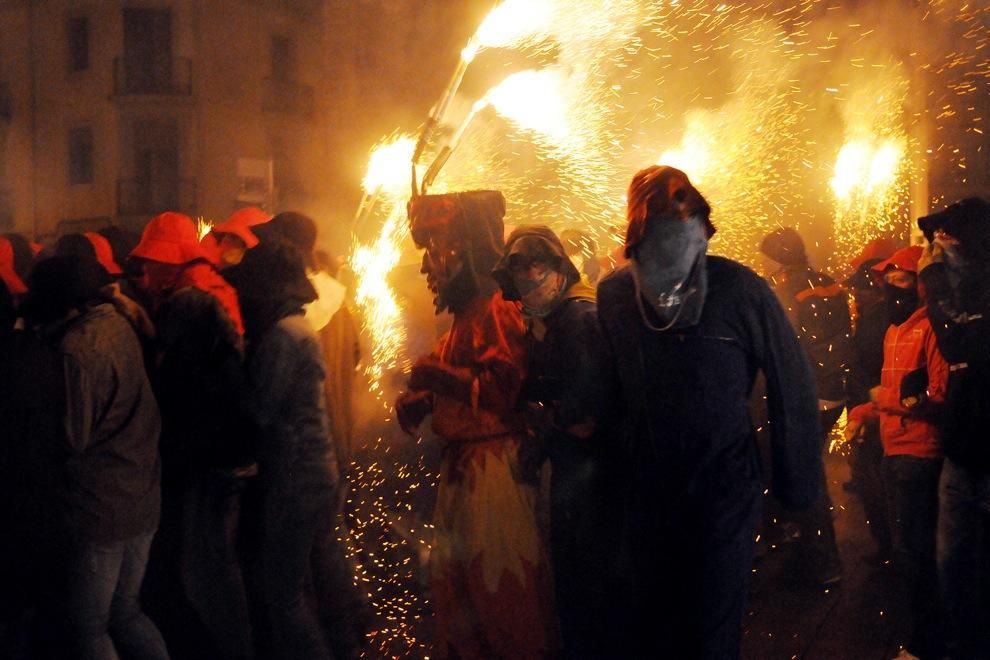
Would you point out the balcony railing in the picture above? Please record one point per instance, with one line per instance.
(153, 196)
(287, 97)
(174, 78)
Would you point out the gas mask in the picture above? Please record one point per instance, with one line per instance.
(539, 295)
(669, 272)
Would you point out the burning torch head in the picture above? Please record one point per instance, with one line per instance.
(462, 236)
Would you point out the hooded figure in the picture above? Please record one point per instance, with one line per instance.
(293, 501)
(208, 439)
(490, 582)
(686, 333)
(563, 395)
(955, 272)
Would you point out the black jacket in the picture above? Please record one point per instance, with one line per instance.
(960, 317)
(687, 440)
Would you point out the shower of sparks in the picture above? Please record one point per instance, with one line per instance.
(387, 180)
(811, 115)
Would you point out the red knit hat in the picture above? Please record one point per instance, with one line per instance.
(239, 224)
(170, 238)
(104, 253)
(11, 279)
(903, 259)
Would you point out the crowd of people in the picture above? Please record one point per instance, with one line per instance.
(174, 420)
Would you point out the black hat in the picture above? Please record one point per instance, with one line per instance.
(59, 284)
(967, 220)
(784, 245)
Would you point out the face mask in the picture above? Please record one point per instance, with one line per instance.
(901, 303)
(539, 296)
(668, 269)
(951, 251)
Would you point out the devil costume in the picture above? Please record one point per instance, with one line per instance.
(686, 338)
(489, 572)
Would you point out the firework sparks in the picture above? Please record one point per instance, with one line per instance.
(781, 115)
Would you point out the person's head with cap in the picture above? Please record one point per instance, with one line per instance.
(24, 254)
(234, 236)
(297, 228)
(961, 231)
(666, 242)
(169, 243)
(8, 273)
(535, 269)
(92, 247)
(60, 286)
(900, 283)
(272, 283)
(784, 248)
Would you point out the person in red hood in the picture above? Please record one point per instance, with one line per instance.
(227, 242)
(912, 388)
(207, 440)
(173, 259)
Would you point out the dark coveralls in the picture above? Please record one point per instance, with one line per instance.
(687, 458)
(565, 375)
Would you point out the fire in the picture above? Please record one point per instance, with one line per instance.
(865, 169)
(389, 167)
(203, 227)
(514, 21)
(534, 100)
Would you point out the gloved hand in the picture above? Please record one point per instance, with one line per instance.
(411, 408)
(429, 374)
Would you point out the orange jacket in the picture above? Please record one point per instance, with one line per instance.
(907, 347)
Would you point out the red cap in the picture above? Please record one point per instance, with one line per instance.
(170, 238)
(7, 273)
(903, 259)
(878, 248)
(239, 223)
(104, 253)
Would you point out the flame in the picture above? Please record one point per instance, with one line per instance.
(389, 167)
(203, 227)
(513, 22)
(534, 100)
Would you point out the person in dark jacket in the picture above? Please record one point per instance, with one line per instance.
(207, 442)
(955, 271)
(866, 451)
(294, 495)
(112, 494)
(32, 410)
(563, 394)
(687, 333)
(818, 310)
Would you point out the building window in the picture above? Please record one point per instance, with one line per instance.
(81, 155)
(78, 44)
(282, 61)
